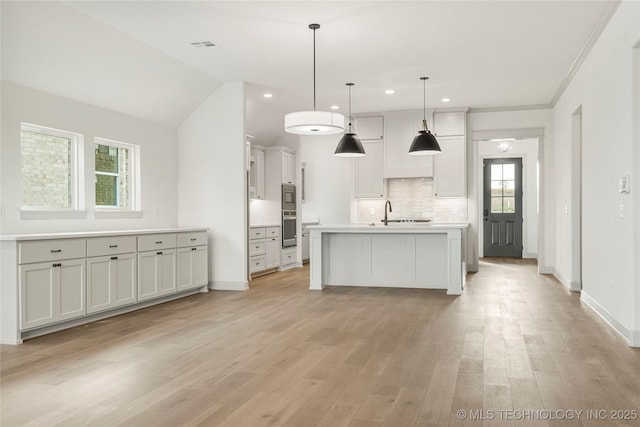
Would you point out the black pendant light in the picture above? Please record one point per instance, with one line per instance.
(425, 142)
(350, 145)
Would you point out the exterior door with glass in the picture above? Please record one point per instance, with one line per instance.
(502, 207)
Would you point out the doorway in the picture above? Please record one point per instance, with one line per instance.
(502, 207)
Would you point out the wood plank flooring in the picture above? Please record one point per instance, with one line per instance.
(281, 355)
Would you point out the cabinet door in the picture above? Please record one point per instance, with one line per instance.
(123, 284)
(305, 246)
(99, 279)
(368, 171)
(37, 294)
(192, 268)
(450, 168)
(398, 163)
(288, 168)
(369, 128)
(449, 123)
(273, 252)
(70, 287)
(156, 273)
(256, 175)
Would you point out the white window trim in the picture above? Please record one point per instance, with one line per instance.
(77, 208)
(133, 211)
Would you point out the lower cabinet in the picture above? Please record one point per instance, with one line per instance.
(51, 292)
(192, 268)
(111, 282)
(289, 256)
(305, 246)
(272, 252)
(156, 273)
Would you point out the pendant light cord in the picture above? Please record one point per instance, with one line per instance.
(314, 68)
(424, 103)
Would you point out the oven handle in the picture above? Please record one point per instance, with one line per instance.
(289, 217)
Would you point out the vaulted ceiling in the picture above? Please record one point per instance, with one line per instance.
(138, 58)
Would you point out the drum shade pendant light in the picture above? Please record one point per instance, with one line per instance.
(424, 142)
(350, 145)
(314, 122)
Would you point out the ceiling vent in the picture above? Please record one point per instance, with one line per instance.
(202, 44)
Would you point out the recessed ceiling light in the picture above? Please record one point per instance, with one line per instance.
(267, 95)
(202, 44)
(335, 107)
(445, 100)
(389, 91)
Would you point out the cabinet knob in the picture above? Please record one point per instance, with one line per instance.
(53, 251)
(113, 246)
(194, 249)
(158, 253)
(158, 242)
(193, 239)
(114, 257)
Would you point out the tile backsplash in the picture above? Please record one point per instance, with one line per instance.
(412, 198)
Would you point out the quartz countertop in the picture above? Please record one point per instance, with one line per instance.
(80, 234)
(404, 227)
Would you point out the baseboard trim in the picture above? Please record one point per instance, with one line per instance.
(543, 269)
(529, 255)
(575, 286)
(290, 266)
(228, 285)
(631, 337)
(473, 268)
(562, 280)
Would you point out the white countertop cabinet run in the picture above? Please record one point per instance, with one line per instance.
(55, 281)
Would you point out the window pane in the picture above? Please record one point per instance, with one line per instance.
(496, 205)
(496, 172)
(509, 188)
(106, 158)
(46, 170)
(106, 190)
(509, 204)
(509, 171)
(124, 172)
(496, 188)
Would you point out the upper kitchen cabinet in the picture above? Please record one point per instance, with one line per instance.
(450, 166)
(256, 174)
(288, 167)
(369, 128)
(368, 171)
(399, 131)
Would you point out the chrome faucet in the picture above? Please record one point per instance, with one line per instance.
(386, 220)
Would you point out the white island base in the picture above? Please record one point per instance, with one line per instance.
(401, 256)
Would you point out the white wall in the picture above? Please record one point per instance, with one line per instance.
(507, 121)
(603, 87)
(158, 152)
(212, 182)
(329, 180)
(527, 149)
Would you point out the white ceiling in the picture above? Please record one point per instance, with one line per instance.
(136, 57)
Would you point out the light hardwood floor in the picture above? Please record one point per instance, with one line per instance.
(280, 354)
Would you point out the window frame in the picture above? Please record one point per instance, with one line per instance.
(134, 176)
(77, 204)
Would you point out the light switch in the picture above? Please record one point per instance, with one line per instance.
(621, 210)
(566, 209)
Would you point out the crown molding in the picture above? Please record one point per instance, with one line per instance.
(512, 108)
(586, 49)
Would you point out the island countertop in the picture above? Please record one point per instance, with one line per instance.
(402, 227)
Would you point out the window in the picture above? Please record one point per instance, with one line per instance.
(503, 185)
(115, 169)
(49, 163)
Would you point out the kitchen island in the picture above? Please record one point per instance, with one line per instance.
(428, 256)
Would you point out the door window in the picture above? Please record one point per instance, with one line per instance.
(503, 186)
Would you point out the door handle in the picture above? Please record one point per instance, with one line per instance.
(486, 213)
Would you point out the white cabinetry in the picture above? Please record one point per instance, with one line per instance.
(288, 168)
(450, 179)
(369, 171)
(369, 128)
(399, 131)
(264, 249)
(305, 244)
(52, 289)
(256, 175)
(192, 260)
(288, 256)
(156, 266)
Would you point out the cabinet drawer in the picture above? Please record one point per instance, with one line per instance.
(192, 239)
(273, 231)
(257, 247)
(257, 233)
(288, 256)
(151, 242)
(100, 246)
(257, 263)
(51, 250)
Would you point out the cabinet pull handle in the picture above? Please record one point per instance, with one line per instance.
(159, 253)
(113, 246)
(53, 251)
(193, 239)
(114, 257)
(57, 265)
(158, 242)
(194, 249)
